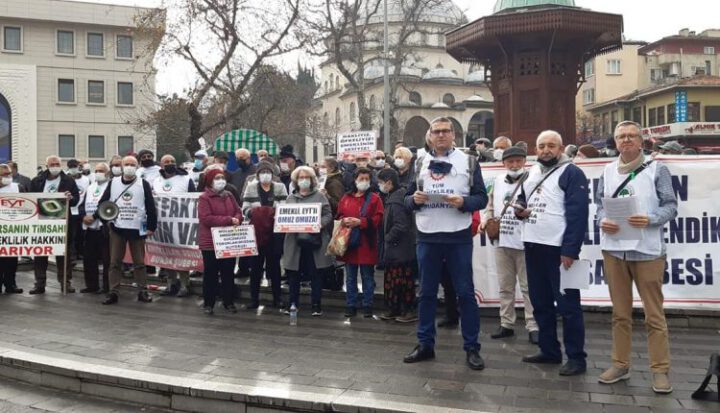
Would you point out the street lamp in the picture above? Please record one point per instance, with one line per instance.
(386, 83)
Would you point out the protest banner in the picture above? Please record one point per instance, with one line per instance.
(174, 244)
(361, 143)
(297, 218)
(235, 241)
(33, 225)
(692, 273)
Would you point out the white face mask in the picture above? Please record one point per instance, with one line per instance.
(362, 186)
(284, 167)
(6, 180)
(265, 178)
(129, 171)
(399, 163)
(54, 170)
(100, 177)
(304, 183)
(116, 170)
(515, 174)
(380, 163)
(219, 185)
(384, 189)
(73, 171)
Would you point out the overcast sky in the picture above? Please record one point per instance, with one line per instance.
(646, 20)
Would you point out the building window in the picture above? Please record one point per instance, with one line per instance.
(589, 96)
(449, 99)
(326, 86)
(416, 98)
(12, 39)
(96, 147)
(95, 44)
(66, 146)
(66, 42)
(124, 47)
(66, 91)
(125, 93)
(709, 50)
(337, 117)
(671, 113)
(126, 145)
(337, 82)
(605, 121)
(613, 67)
(712, 113)
(372, 103)
(656, 75)
(697, 70)
(661, 115)
(590, 69)
(693, 112)
(96, 91)
(637, 115)
(614, 120)
(708, 67)
(626, 114)
(652, 117)
(352, 111)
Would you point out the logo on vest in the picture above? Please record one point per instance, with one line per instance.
(52, 188)
(626, 192)
(127, 196)
(167, 187)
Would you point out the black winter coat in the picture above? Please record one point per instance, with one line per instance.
(399, 229)
(67, 184)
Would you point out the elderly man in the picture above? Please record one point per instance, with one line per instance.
(483, 148)
(378, 161)
(642, 261)
(8, 265)
(510, 251)
(148, 170)
(136, 221)
(500, 144)
(245, 169)
(554, 204)
(174, 180)
(54, 180)
(115, 166)
(448, 189)
(671, 148)
(288, 163)
(97, 248)
(77, 236)
(17, 178)
(262, 155)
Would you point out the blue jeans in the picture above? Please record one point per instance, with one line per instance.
(308, 270)
(367, 272)
(458, 259)
(543, 271)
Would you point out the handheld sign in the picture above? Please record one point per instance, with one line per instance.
(235, 241)
(361, 143)
(298, 218)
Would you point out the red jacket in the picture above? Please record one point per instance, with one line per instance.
(215, 210)
(370, 226)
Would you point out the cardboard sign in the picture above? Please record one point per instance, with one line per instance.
(235, 241)
(298, 218)
(361, 143)
(32, 225)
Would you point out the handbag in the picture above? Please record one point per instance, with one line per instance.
(339, 242)
(492, 226)
(355, 235)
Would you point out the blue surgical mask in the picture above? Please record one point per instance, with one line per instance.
(198, 163)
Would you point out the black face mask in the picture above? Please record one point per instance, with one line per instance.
(549, 163)
(170, 169)
(147, 163)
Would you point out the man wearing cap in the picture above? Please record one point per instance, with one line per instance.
(245, 169)
(483, 147)
(510, 251)
(148, 169)
(671, 148)
(8, 265)
(200, 161)
(288, 163)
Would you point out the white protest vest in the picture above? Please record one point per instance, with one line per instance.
(441, 217)
(149, 174)
(13, 188)
(643, 188)
(82, 185)
(131, 204)
(510, 226)
(178, 184)
(546, 224)
(92, 197)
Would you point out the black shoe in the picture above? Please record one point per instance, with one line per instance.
(172, 290)
(573, 368)
(447, 323)
(367, 312)
(540, 358)
(253, 306)
(111, 298)
(13, 290)
(317, 310)
(88, 290)
(208, 310)
(534, 337)
(37, 290)
(474, 360)
(350, 312)
(144, 297)
(419, 353)
(503, 332)
(231, 308)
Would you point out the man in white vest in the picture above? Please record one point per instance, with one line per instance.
(510, 251)
(639, 261)
(174, 180)
(97, 247)
(136, 221)
(8, 265)
(554, 205)
(148, 169)
(76, 229)
(448, 189)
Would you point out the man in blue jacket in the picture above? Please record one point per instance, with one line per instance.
(448, 189)
(554, 204)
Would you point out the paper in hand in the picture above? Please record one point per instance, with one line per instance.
(576, 277)
(618, 210)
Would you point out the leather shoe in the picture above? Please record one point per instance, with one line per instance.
(144, 297)
(474, 360)
(573, 368)
(13, 290)
(447, 323)
(420, 353)
(37, 290)
(111, 298)
(503, 332)
(534, 337)
(540, 358)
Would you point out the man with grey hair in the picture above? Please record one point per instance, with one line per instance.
(97, 248)
(640, 262)
(245, 169)
(8, 265)
(553, 203)
(500, 144)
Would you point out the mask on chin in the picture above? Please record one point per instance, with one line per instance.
(515, 174)
(549, 163)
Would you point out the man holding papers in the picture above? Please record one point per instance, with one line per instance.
(635, 199)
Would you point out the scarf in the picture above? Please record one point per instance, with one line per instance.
(563, 160)
(626, 168)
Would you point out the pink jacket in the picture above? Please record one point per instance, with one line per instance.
(215, 210)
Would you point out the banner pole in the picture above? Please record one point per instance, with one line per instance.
(66, 263)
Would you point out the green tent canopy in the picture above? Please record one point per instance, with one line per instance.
(249, 139)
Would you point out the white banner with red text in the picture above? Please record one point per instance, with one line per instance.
(32, 225)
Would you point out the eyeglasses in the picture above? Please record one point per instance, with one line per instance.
(438, 132)
(627, 137)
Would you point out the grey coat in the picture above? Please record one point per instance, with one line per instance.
(291, 254)
(399, 229)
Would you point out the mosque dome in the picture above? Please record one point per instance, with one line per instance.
(442, 11)
(440, 73)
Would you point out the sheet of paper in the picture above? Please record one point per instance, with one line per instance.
(627, 232)
(576, 277)
(619, 210)
(436, 198)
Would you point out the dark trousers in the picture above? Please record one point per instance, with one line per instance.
(451, 303)
(308, 270)
(97, 250)
(41, 266)
(458, 258)
(8, 270)
(269, 259)
(217, 269)
(76, 231)
(543, 271)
